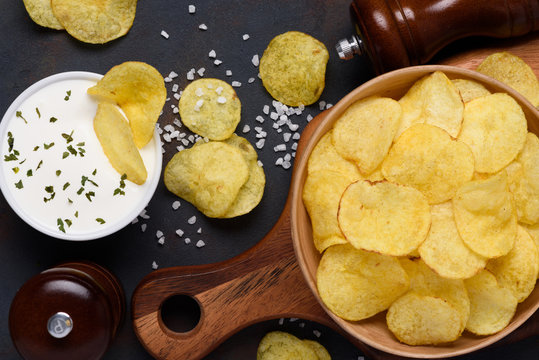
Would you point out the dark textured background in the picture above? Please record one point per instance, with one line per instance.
(29, 53)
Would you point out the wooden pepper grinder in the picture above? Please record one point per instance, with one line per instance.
(400, 33)
(71, 311)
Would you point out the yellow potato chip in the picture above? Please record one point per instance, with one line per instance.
(533, 230)
(209, 176)
(41, 13)
(444, 251)
(432, 100)
(116, 139)
(293, 68)
(365, 131)
(95, 22)
(426, 157)
(139, 89)
(513, 71)
(251, 192)
(279, 345)
(485, 216)
(495, 128)
(491, 307)
(325, 157)
(417, 319)
(517, 271)
(319, 349)
(321, 195)
(356, 284)
(210, 108)
(469, 89)
(384, 217)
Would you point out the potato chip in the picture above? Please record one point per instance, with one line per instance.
(365, 131)
(469, 89)
(444, 251)
(513, 71)
(384, 217)
(495, 128)
(517, 271)
(210, 108)
(432, 100)
(139, 90)
(417, 319)
(251, 192)
(41, 13)
(485, 216)
(293, 68)
(325, 157)
(426, 157)
(356, 284)
(116, 139)
(321, 195)
(279, 345)
(533, 230)
(95, 22)
(209, 176)
(319, 349)
(491, 306)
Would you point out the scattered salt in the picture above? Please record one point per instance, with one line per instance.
(266, 109)
(219, 90)
(246, 37)
(161, 240)
(143, 227)
(260, 143)
(287, 136)
(212, 54)
(200, 244)
(221, 100)
(251, 80)
(246, 129)
(255, 60)
(260, 119)
(280, 147)
(236, 84)
(172, 75)
(192, 9)
(217, 62)
(201, 71)
(154, 265)
(317, 333)
(228, 73)
(199, 231)
(179, 232)
(164, 34)
(176, 204)
(203, 27)
(187, 240)
(192, 220)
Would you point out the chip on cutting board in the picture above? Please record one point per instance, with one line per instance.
(384, 217)
(491, 306)
(494, 127)
(513, 71)
(365, 131)
(469, 89)
(293, 68)
(325, 157)
(116, 139)
(210, 108)
(356, 284)
(139, 90)
(517, 271)
(209, 176)
(428, 159)
(279, 345)
(95, 22)
(41, 13)
(485, 215)
(432, 100)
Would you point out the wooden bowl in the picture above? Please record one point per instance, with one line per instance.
(374, 331)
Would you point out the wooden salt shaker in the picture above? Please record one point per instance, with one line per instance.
(71, 311)
(400, 33)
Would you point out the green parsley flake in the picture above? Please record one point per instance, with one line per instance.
(19, 115)
(68, 222)
(99, 220)
(48, 146)
(89, 195)
(38, 113)
(66, 185)
(15, 170)
(77, 214)
(39, 165)
(60, 224)
(36, 148)
(68, 137)
(65, 154)
(10, 141)
(53, 119)
(58, 172)
(29, 173)
(19, 185)
(68, 94)
(10, 157)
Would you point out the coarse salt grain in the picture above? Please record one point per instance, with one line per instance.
(179, 232)
(201, 71)
(309, 117)
(260, 163)
(236, 84)
(217, 62)
(279, 161)
(173, 75)
(187, 240)
(245, 36)
(280, 147)
(203, 27)
(260, 119)
(192, 9)
(251, 80)
(191, 75)
(176, 204)
(260, 143)
(317, 333)
(246, 129)
(161, 240)
(296, 136)
(143, 214)
(200, 244)
(322, 105)
(294, 146)
(255, 60)
(143, 227)
(199, 231)
(287, 164)
(167, 79)
(198, 105)
(199, 92)
(281, 321)
(158, 234)
(219, 90)
(134, 221)
(164, 34)
(228, 73)
(266, 109)
(221, 100)
(287, 136)
(177, 96)
(212, 54)
(154, 265)
(192, 220)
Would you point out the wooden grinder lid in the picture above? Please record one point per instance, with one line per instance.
(71, 311)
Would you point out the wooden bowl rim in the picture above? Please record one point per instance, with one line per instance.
(393, 346)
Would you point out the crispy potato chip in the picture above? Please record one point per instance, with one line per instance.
(495, 128)
(533, 230)
(374, 216)
(491, 306)
(426, 158)
(209, 176)
(469, 89)
(513, 71)
(210, 108)
(251, 192)
(319, 349)
(365, 131)
(139, 89)
(485, 216)
(293, 68)
(41, 13)
(279, 345)
(432, 100)
(356, 284)
(444, 251)
(95, 22)
(325, 157)
(117, 142)
(517, 271)
(321, 195)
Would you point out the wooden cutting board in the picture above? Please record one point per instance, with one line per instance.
(266, 282)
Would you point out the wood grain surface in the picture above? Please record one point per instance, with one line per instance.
(265, 282)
